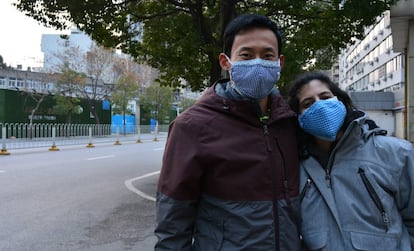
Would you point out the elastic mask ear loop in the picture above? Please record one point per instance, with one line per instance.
(228, 59)
(232, 84)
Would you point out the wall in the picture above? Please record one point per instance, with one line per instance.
(384, 119)
(16, 106)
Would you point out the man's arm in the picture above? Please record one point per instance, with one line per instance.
(174, 223)
(178, 188)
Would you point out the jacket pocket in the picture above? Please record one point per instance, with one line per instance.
(316, 240)
(375, 198)
(305, 189)
(368, 242)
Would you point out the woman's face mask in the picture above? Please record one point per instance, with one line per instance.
(254, 78)
(324, 118)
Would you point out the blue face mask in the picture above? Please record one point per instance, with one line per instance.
(254, 78)
(324, 118)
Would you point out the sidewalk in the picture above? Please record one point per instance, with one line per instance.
(14, 146)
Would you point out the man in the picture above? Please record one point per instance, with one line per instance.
(229, 179)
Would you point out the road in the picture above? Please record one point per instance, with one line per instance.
(80, 198)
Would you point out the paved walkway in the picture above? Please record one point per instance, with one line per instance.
(25, 145)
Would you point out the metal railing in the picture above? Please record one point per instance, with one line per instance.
(25, 135)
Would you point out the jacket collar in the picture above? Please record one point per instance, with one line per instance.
(225, 101)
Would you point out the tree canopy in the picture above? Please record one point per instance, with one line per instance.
(156, 102)
(126, 89)
(2, 64)
(182, 39)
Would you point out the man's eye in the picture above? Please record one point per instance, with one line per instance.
(244, 55)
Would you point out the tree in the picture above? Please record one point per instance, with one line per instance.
(2, 64)
(66, 93)
(98, 61)
(86, 74)
(186, 103)
(126, 90)
(156, 102)
(37, 93)
(183, 38)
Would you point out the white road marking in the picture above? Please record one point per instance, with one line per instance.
(158, 149)
(128, 184)
(102, 157)
(2, 171)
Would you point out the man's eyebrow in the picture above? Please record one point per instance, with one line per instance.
(270, 49)
(245, 48)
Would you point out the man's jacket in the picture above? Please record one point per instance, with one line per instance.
(229, 181)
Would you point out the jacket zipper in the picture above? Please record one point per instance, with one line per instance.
(374, 196)
(266, 134)
(274, 201)
(328, 178)
(305, 189)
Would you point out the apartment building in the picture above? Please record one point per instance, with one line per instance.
(371, 66)
(53, 45)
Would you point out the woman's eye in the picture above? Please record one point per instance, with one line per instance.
(306, 105)
(326, 97)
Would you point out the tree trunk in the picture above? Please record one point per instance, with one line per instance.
(31, 124)
(227, 13)
(215, 71)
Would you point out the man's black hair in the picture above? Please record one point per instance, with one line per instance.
(246, 22)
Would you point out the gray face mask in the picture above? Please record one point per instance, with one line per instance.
(254, 78)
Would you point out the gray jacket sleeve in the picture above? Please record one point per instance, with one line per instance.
(405, 195)
(174, 223)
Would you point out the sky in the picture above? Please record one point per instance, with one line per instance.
(20, 37)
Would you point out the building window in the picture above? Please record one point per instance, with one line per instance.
(12, 82)
(2, 82)
(20, 83)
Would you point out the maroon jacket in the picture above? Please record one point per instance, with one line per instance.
(228, 180)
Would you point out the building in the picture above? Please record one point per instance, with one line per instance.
(402, 25)
(371, 65)
(26, 95)
(53, 45)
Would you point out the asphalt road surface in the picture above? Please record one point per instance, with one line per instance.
(80, 198)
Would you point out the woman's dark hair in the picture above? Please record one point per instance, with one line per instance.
(305, 78)
(246, 22)
(304, 138)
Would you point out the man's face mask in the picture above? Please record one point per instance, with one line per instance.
(324, 118)
(254, 78)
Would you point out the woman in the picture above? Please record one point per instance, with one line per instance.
(356, 182)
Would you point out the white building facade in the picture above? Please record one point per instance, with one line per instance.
(370, 65)
(56, 44)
